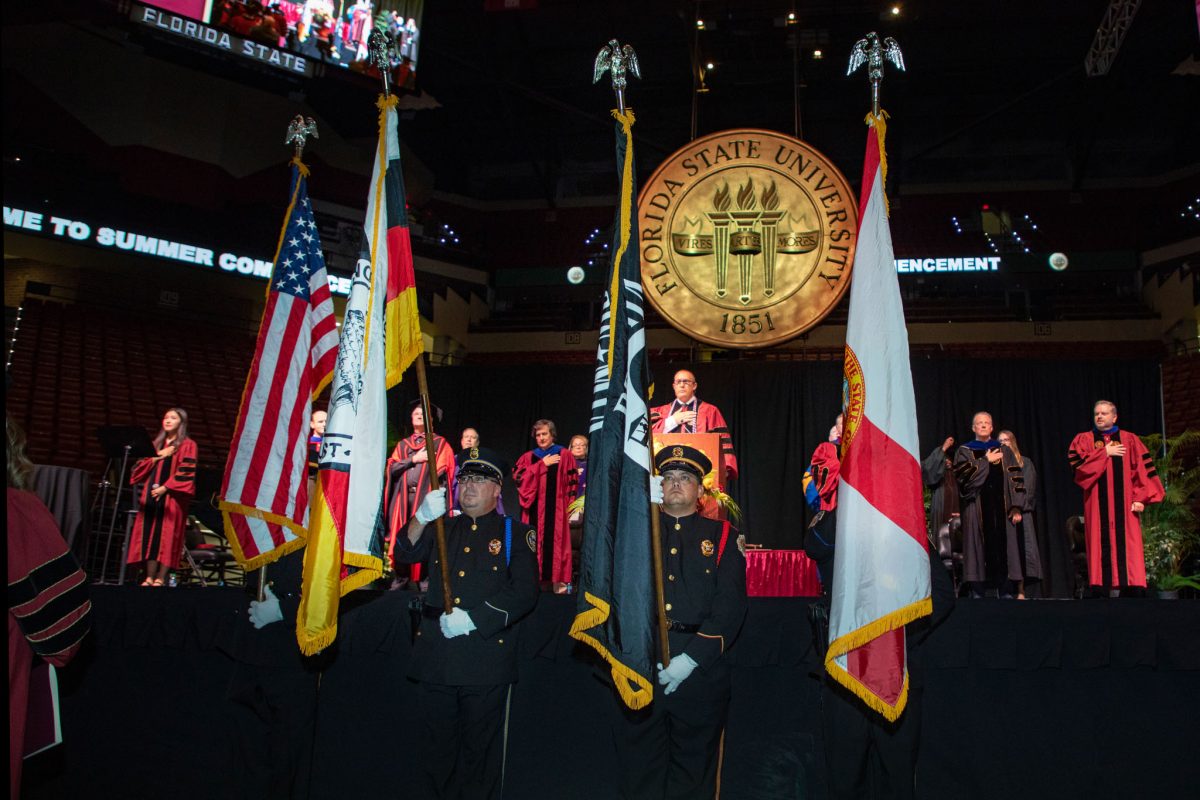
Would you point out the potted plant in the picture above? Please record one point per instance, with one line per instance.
(1171, 529)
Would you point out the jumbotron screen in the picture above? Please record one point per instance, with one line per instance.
(333, 32)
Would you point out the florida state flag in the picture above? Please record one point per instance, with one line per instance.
(881, 567)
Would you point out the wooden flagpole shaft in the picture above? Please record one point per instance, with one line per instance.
(657, 560)
(431, 455)
(262, 583)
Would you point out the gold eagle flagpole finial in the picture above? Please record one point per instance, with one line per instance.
(298, 132)
(872, 52)
(618, 60)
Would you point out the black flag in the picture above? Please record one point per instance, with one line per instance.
(615, 610)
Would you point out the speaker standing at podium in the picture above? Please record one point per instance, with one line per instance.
(689, 414)
(169, 482)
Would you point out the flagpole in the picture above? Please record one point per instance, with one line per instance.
(657, 559)
(620, 62)
(381, 46)
(431, 455)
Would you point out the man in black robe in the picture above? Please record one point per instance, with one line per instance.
(991, 492)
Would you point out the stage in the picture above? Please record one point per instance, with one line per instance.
(1037, 699)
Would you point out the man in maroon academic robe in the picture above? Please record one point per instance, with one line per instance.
(1118, 478)
(408, 478)
(547, 482)
(689, 414)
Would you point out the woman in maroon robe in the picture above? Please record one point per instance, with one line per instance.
(168, 484)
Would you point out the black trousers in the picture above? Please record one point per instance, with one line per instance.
(669, 749)
(461, 747)
(274, 712)
(867, 756)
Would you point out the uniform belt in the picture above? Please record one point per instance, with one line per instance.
(681, 627)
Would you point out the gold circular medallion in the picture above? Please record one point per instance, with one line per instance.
(747, 238)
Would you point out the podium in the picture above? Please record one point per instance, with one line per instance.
(710, 445)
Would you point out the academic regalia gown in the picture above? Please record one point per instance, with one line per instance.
(825, 466)
(991, 551)
(158, 530)
(940, 480)
(408, 483)
(1111, 485)
(1028, 553)
(544, 494)
(48, 609)
(708, 420)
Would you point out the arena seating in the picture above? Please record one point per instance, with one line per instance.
(78, 367)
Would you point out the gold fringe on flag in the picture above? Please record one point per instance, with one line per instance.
(641, 692)
(861, 636)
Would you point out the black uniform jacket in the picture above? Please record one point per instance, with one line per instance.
(701, 592)
(496, 595)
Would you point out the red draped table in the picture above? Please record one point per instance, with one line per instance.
(781, 573)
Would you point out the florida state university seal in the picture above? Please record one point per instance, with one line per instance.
(747, 238)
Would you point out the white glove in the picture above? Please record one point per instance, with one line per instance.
(656, 492)
(681, 666)
(432, 507)
(456, 623)
(264, 612)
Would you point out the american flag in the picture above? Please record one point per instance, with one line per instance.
(265, 492)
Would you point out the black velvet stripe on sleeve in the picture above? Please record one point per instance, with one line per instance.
(45, 576)
(54, 610)
(64, 638)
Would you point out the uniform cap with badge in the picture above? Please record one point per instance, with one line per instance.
(680, 456)
(482, 461)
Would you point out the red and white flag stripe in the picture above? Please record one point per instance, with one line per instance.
(881, 566)
(265, 493)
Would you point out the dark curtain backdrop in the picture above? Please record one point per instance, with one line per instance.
(780, 411)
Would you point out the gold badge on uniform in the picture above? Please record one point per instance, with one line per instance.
(531, 540)
(706, 548)
(494, 547)
(474, 452)
(677, 452)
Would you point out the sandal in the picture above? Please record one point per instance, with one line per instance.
(148, 582)
(157, 582)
